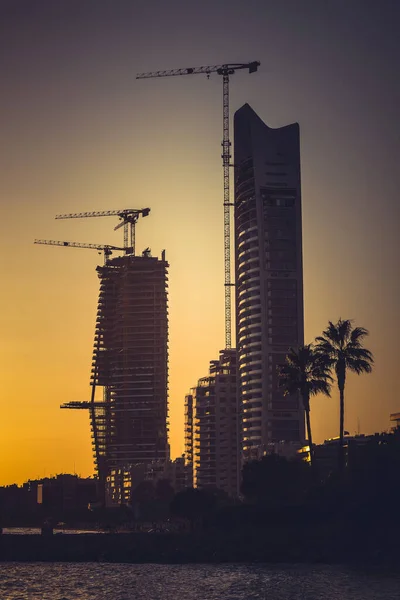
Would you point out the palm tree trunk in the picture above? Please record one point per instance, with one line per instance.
(308, 424)
(341, 433)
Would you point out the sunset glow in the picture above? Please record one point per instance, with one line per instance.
(79, 133)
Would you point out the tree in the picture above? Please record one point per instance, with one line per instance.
(144, 492)
(164, 491)
(143, 499)
(275, 482)
(307, 372)
(193, 504)
(164, 495)
(341, 346)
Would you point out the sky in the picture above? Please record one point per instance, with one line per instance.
(80, 133)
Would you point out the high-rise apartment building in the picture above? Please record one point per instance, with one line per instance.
(188, 439)
(269, 277)
(211, 427)
(130, 364)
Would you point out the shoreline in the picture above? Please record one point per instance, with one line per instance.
(203, 548)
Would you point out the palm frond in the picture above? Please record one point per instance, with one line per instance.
(299, 357)
(320, 386)
(358, 365)
(358, 353)
(289, 377)
(330, 334)
(289, 388)
(358, 334)
(325, 347)
(322, 364)
(344, 329)
(305, 370)
(335, 336)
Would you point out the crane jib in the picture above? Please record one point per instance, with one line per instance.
(226, 69)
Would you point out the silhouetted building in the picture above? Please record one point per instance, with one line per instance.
(65, 493)
(178, 474)
(326, 455)
(18, 504)
(287, 450)
(170, 470)
(189, 439)
(269, 278)
(211, 431)
(395, 419)
(129, 478)
(130, 363)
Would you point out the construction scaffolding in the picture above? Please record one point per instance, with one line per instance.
(130, 357)
(130, 363)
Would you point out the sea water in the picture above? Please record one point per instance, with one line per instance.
(104, 581)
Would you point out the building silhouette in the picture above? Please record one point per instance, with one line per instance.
(66, 493)
(211, 427)
(188, 439)
(395, 418)
(173, 471)
(269, 278)
(129, 420)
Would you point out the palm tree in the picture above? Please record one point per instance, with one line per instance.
(341, 346)
(306, 372)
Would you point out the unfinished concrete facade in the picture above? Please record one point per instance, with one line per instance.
(130, 364)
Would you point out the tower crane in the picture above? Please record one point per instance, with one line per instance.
(225, 71)
(106, 248)
(128, 216)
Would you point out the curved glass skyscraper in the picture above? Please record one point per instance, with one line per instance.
(269, 277)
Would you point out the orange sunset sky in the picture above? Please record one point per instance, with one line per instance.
(79, 133)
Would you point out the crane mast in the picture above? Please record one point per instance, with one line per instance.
(225, 71)
(226, 160)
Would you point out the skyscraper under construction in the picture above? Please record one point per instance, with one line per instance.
(130, 364)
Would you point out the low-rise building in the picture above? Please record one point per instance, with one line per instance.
(326, 455)
(395, 419)
(122, 491)
(66, 492)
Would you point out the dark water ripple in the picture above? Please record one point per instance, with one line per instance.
(102, 581)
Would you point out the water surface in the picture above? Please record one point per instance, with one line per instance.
(37, 531)
(103, 581)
